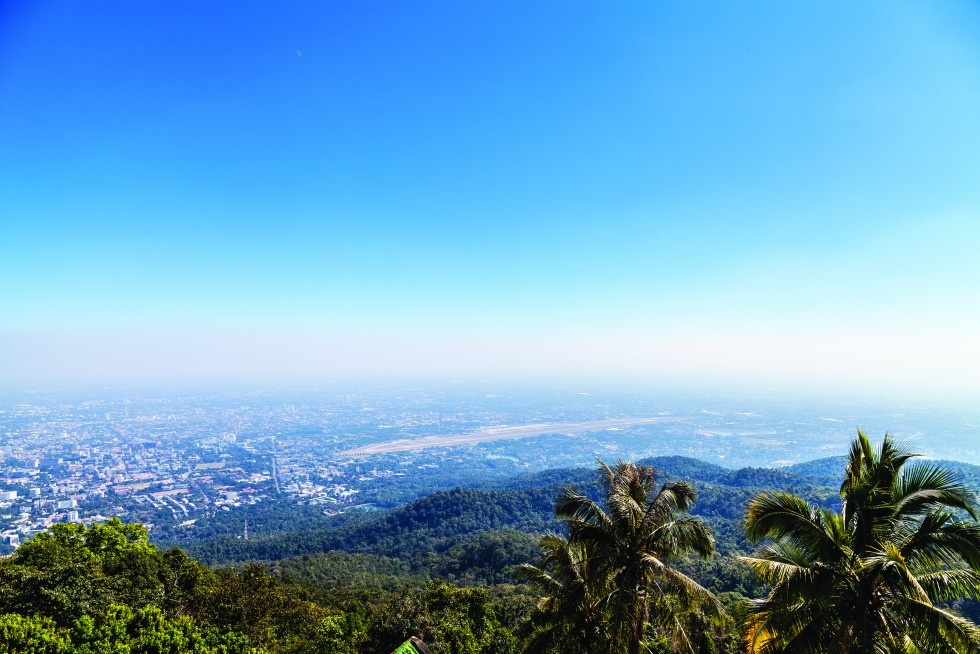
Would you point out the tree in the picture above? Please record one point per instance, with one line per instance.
(21, 634)
(872, 578)
(611, 574)
(573, 610)
(73, 570)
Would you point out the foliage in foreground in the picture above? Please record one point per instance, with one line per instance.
(873, 578)
(107, 589)
(120, 630)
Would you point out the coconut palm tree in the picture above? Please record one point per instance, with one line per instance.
(572, 614)
(618, 555)
(871, 579)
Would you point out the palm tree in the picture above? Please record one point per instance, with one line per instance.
(612, 569)
(872, 578)
(571, 616)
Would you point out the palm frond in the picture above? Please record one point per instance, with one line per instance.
(890, 566)
(924, 487)
(933, 625)
(794, 628)
(777, 561)
(571, 505)
(678, 537)
(948, 585)
(683, 589)
(940, 540)
(785, 516)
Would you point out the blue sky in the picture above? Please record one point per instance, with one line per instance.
(726, 192)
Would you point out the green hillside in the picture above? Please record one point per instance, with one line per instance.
(441, 567)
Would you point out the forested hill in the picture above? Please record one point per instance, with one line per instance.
(281, 529)
(495, 527)
(672, 468)
(416, 533)
(441, 566)
(477, 535)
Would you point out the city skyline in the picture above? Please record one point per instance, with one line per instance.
(763, 195)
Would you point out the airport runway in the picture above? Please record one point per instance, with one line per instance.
(489, 434)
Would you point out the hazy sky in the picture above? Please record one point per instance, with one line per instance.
(783, 192)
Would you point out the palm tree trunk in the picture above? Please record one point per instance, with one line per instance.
(640, 618)
(641, 627)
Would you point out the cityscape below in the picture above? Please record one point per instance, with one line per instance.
(189, 464)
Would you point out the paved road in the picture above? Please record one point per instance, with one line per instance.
(275, 475)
